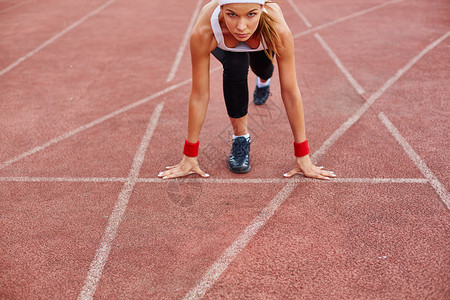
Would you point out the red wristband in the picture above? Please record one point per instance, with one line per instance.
(301, 149)
(191, 149)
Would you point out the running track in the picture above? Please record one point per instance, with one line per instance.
(93, 106)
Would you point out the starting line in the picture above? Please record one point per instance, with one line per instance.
(299, 179)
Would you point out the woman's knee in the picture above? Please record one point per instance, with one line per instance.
(235, 66)
(261, 65)
(237, 113)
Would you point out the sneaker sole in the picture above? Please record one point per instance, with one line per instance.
(257, 103)
(239, 171)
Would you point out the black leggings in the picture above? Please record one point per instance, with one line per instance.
(235, 74)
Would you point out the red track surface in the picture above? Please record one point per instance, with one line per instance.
(94, 104)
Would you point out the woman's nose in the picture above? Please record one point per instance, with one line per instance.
(241, 26)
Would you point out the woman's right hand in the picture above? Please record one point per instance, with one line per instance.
(187, 166)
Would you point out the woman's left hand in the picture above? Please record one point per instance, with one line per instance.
(304, 165)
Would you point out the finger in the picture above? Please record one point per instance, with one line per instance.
(175, 175)
(163, 173)
(322, 172)
(291, 173)
(317, 175)
(166, 173)
(200, 172)
(316, 172)
(326, 173)
(174, 171)
(172, 167)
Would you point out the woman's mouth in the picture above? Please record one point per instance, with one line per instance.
(241, 35)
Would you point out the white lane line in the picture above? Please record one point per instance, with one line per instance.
(357, 14)
(184, 42)
(353, 119)
(299, 13)
(14, 6)
(64, 179)
(239, 244)
(379, 180)
(91, 124)
(102, 253)
(55, 37)
(340, 65)
(420, 164)
(296, 179)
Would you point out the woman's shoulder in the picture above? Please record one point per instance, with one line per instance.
(202, 33)
(275, 11)
(272, 6)
(203, 23)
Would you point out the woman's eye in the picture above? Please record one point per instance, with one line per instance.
(232, 15)
(252, 14)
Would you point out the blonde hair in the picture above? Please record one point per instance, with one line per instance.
(266, 30)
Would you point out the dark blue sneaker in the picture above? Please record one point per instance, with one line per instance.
(239, 160)
(260, 95)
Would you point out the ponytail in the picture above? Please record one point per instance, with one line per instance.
(269, 36)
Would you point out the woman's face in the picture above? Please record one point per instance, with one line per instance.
(242, 19)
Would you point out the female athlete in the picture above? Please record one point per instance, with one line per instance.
(243, 33)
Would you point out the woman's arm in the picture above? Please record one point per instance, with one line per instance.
(201, 45)
(199, 98)
(290, 92)
(292, 100)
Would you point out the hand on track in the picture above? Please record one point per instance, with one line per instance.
(187, 166)
(304, 165)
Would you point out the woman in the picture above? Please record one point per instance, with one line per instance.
(243, 33)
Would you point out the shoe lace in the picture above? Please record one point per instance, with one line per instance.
(260, 92)
(240, 147)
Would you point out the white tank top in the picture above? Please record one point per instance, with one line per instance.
(241, 47)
